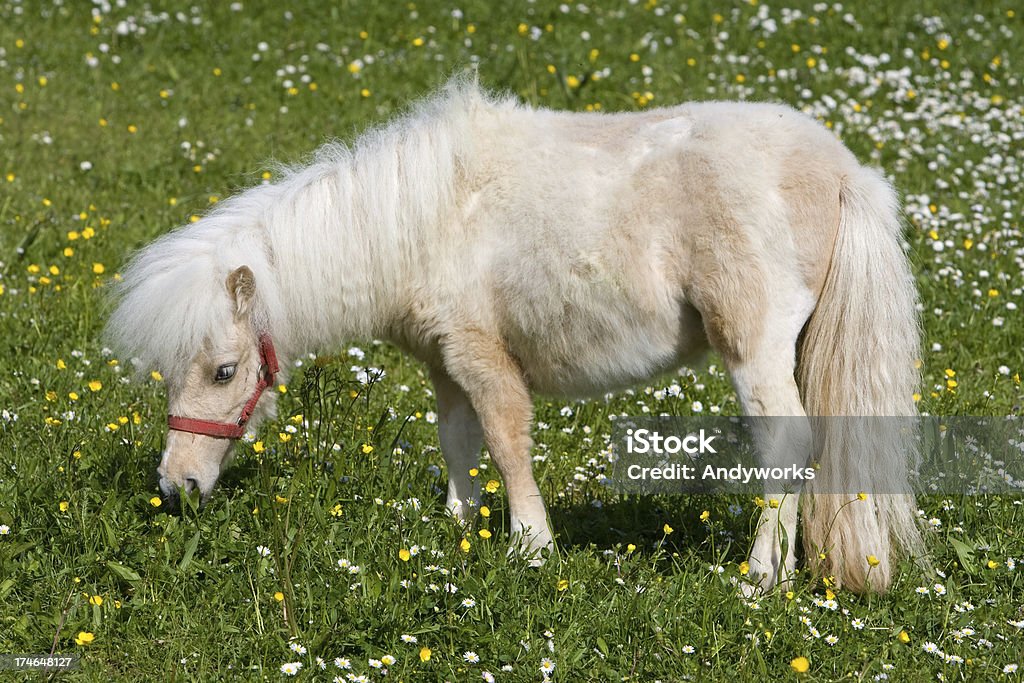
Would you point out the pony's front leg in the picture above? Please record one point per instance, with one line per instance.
(461, 437)
(479, 364)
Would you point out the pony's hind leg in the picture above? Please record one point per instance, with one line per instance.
(497, 391)
(763, 375)
(461, 438)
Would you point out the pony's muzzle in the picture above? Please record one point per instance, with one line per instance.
(187, 471)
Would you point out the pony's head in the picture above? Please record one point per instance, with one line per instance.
(186, 307)
(211, 402)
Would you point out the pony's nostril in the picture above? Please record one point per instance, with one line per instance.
(191, 485)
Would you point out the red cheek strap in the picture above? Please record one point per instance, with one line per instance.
(235, 430)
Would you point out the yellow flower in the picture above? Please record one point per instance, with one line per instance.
(992, 564)
(96, 600)
(773, 503)
(492, 486)
(473, 471)
(667, 529)
(404, 555)
(790, 595)
(563, 584)
(63, 506)
(284, 437)
(258, 447)
(367, 448)
(95, 385)
(704, 516)
(464, 545)
(73, 396)
(630, 548)
(84, 638)
(872, 561)
(155, 501)
(157, 377)
(280, 499)
(744, 568)
(484, 533)
(424, 654)
(336, 510)
(903, 637)
(862, 496)
(800, 665)
(98, 268)
(485, 511)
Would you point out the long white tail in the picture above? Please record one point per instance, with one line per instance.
(857, 358)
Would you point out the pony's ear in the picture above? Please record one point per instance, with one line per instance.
(241, 284)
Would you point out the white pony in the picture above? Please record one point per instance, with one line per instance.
(516, 250)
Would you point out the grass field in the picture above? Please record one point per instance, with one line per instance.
(326, 551)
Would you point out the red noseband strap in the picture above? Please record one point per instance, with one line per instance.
(235, 430)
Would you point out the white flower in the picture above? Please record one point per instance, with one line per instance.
(406, 638)
(291, 668)
(262, 550)
(4, 529)
(343, 662)
(546, 666)
(297, 648)
(470, 657)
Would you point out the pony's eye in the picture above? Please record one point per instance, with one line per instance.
(225, 372)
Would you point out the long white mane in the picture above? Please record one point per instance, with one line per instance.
(326, 240)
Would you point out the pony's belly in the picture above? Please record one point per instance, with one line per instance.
(584, 360)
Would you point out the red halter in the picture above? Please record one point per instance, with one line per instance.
(235, 430)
